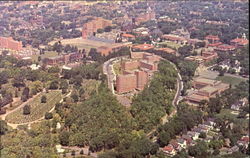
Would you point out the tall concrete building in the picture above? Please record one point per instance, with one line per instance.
(137, 72)
(90, 28)
(125, 83)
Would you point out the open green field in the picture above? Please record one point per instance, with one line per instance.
(81, 43)
(229, 79)
(231, 115)
(38, 109)
(170, 44)
(45, 55)
(117, 68)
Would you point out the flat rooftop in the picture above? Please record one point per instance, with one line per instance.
(207, 81)
(197, 97)
(222, 86)
(209, 89)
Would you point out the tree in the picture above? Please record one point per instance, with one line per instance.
(39, 58)
(203, 135)
(81, 152)
(25, 94)
(3, 77)
(200, 149)
(75, 97)
(216, 152)
(108, 29)
(3, 127)
(185, 50)
(26, 109)
(164, 139)
(222, 72)
(43, 99)
(48, 115)
(73, 153)
(54, 84)
(200, 44)
(100, 30)
(64, 138)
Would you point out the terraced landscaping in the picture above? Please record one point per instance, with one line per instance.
(38, 109)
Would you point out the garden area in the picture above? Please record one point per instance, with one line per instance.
(117, 68)
(45, 55)
(170, 44)
(37, 109)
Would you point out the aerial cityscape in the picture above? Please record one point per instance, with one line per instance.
(124, 79)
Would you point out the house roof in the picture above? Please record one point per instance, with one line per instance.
(241, 41)
(208, 89)
(173, 37)
(225, 47)
(197, 98)
(143, 46)
(206, 81)
(168, 50)
(212, 37)
(168, 148)
(128, 35)
(245, 139)
(214, 44)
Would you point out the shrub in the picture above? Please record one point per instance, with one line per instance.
(26, 109)
(81, 152)
(43, 99)
(73, 152)
(48, 116)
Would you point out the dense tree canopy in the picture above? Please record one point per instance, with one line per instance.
(156, 100)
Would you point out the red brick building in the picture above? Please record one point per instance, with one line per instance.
(225, 48)
(208, 56)
(91, 27)
(63, 59)
(9, 43)
(174, 38)
(239, 42)
(141, 79)
(145, 17)
(212, 39)
(142, 47)
(106, 50)
(137, 72)
(125, 83)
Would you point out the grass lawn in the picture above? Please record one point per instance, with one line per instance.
(230, 115)
(82, 43)
(45, 55)
(170, 44)
(229, 79)
(117, 68)
(38, 109)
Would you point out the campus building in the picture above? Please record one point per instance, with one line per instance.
(239, 42)
(63, 59)
(212, 39)
(206, 89)
(136, 72)
(10, 43)
(150, 15)
(90, 28)
(106, 50)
